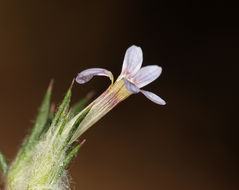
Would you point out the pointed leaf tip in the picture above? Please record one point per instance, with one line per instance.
(51, 85)
(72, 83)
(82, 142)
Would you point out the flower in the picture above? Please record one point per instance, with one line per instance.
(130, 81)
(133, 75)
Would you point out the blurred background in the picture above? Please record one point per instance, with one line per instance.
(192, 143)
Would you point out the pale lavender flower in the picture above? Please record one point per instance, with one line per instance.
(130, 81)
(133, 75)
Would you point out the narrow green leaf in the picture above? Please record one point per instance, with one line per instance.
(67, 160)
(77, 123)
(64, 122)
(71, 155)
(3, 164)
(50, 119)
(41, 119)
(63, 109)
(37, 130)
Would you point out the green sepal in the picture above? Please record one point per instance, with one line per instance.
(41, 119)
(64, 122)
(3, 164)
(71, 155)
(67, 161)
(63, 109)
(50, 118)
(38, 128)
(76, 124)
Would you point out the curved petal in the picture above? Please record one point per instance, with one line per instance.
(153, 97)
(88, 74)
(131, 87)
(147, 75)
(132, 61)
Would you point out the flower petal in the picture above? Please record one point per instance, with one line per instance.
(132, 61)
(131, 87)
(147, 75)
(88, 74)
(153, 97)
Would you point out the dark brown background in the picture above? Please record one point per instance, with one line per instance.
(191, 143)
